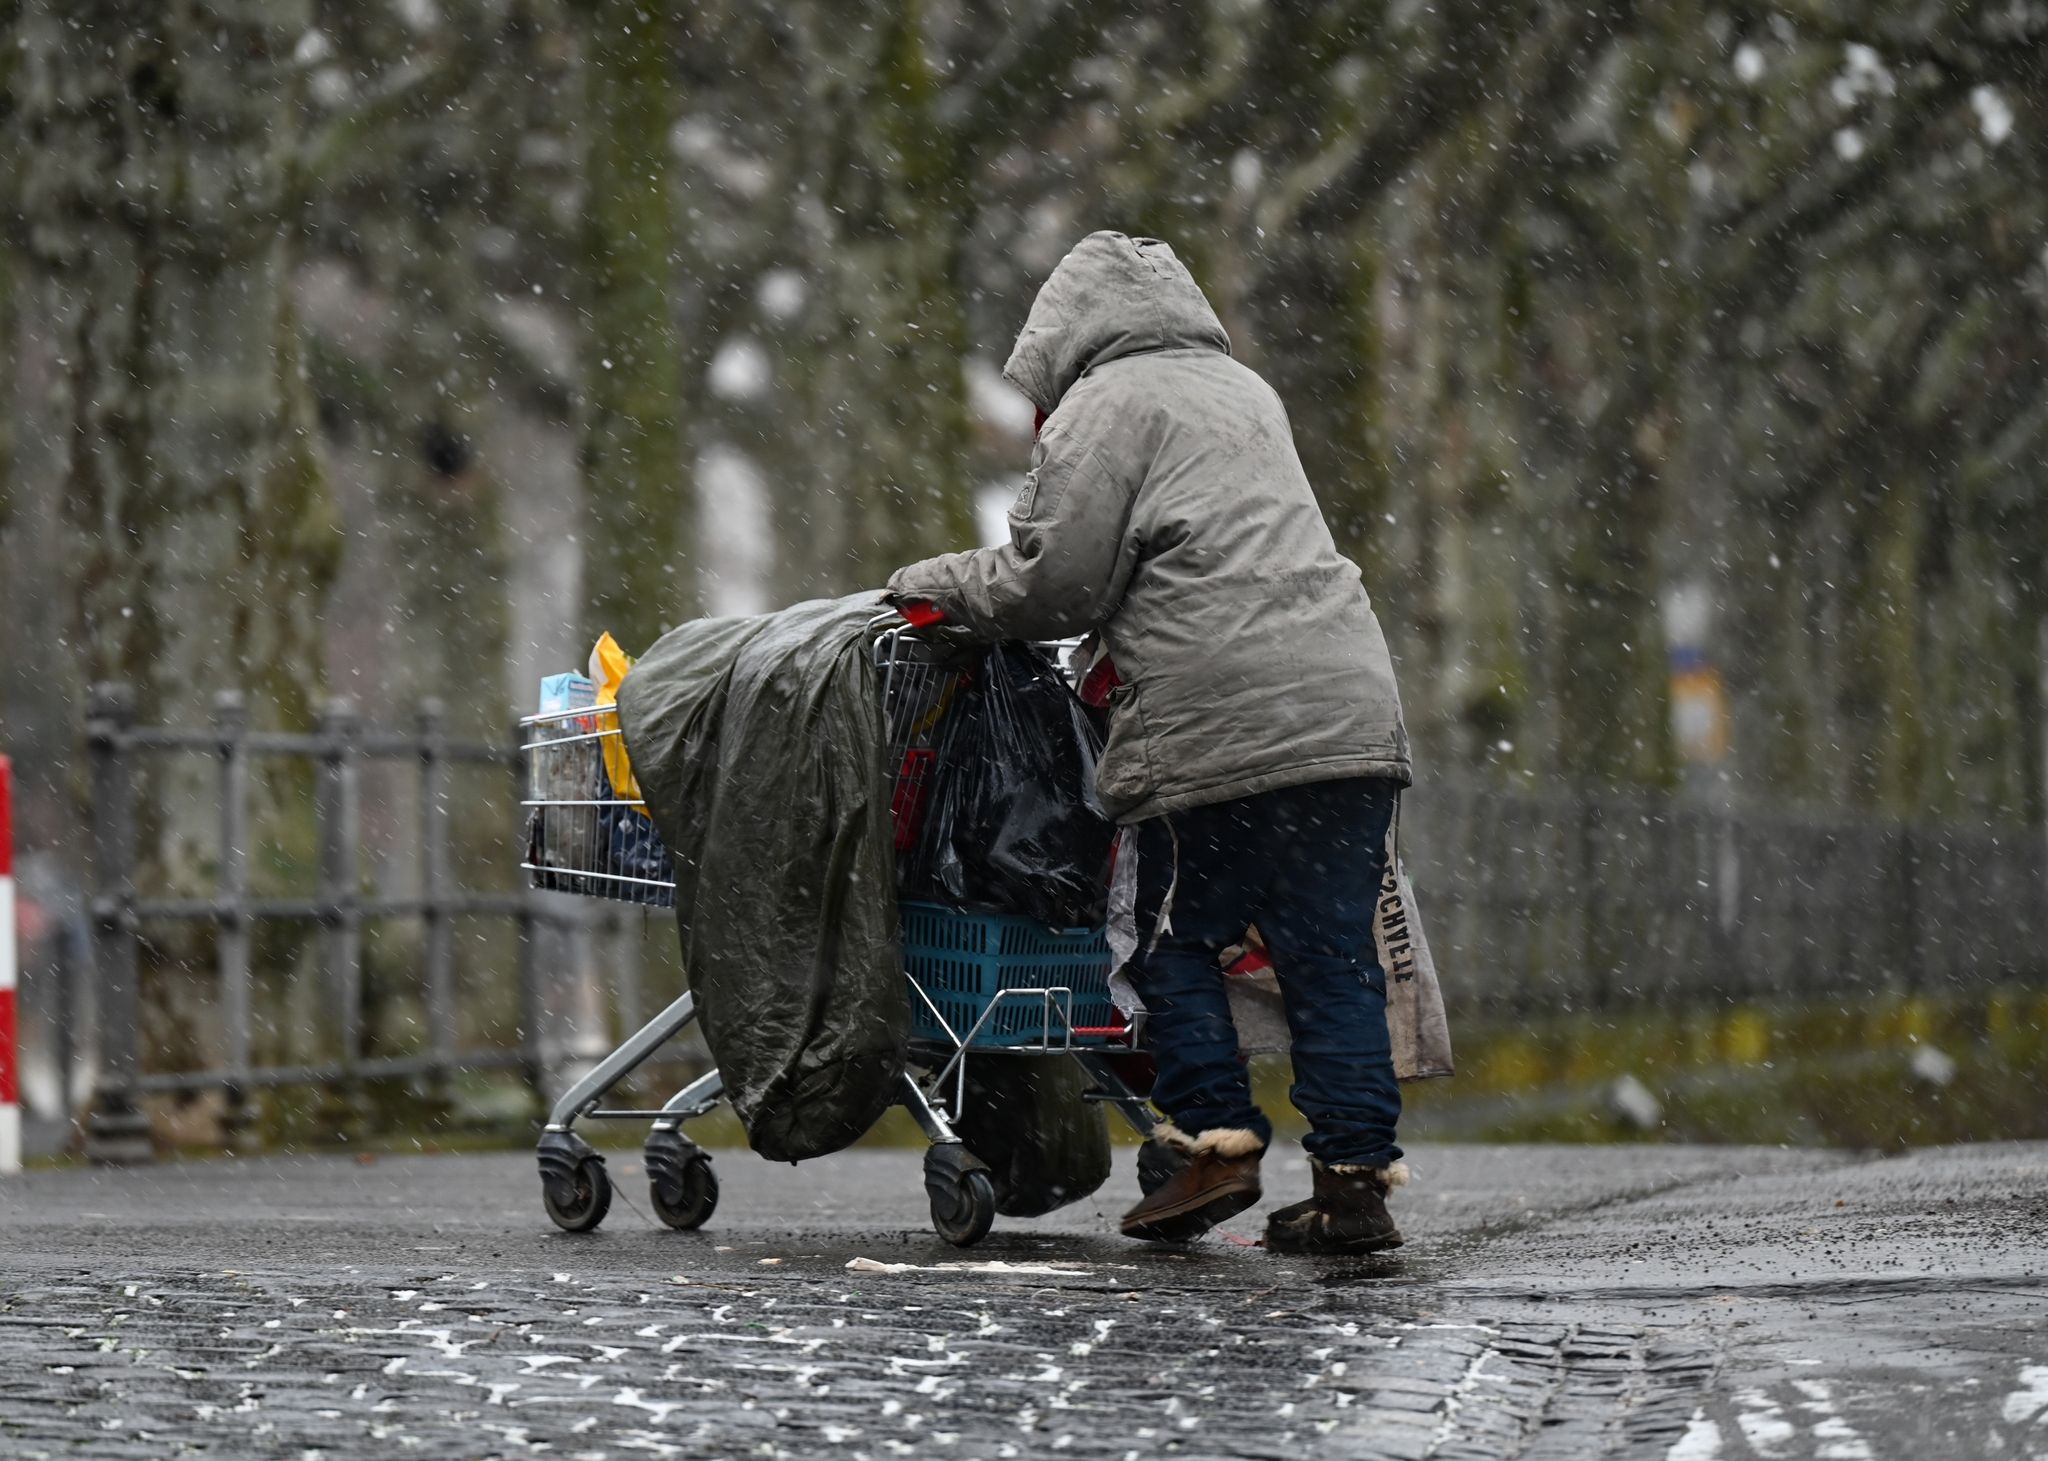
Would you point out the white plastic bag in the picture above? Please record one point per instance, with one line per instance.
(1415, 1004)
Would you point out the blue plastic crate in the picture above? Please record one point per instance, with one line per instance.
(961, 960)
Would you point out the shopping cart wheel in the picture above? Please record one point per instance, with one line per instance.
(574, 1186)
(680, 1181)
(1156, 1165)
(963, 1196)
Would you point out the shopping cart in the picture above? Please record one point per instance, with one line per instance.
(983, 986)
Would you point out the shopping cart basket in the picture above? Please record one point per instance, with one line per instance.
(982, 985)
(581, 835)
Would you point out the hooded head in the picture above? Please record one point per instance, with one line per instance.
(1111, 296)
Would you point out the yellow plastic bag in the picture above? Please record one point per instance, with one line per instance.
(609, 666)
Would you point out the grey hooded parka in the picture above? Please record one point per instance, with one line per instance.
(1166, 507)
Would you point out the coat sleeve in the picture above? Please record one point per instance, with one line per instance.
(1065, 567)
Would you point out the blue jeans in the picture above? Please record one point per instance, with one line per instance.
(1305, 865)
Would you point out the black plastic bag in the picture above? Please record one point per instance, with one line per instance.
(636, 852)
(1045, 1145)
(1014, 824)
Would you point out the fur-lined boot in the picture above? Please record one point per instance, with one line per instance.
(1219, 1181)
(1347, 1214)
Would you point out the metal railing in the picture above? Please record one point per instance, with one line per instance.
(1533, 903)
(339, 747)
(1556, 901)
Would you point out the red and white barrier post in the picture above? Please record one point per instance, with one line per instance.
(10, 1056)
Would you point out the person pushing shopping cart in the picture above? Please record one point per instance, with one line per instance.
(1256, 749)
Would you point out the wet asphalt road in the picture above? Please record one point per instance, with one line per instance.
(1677, 1302)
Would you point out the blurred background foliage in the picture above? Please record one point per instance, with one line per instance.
(397, 347)
(1675, 372)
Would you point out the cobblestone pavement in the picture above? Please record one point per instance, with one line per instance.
(1553, 1302)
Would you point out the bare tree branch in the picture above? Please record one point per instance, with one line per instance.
(1762, 239)
(1025, 74)
(1437, 100)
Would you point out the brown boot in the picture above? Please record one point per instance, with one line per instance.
(1348, 1213)
(1220, 1180)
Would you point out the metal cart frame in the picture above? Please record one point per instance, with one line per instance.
(581, 853)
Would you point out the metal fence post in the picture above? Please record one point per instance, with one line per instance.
(625, 950)
(10, 1044)
(438, 947)
(533, 1055)
(117, 1130)
(74, 1010)
(1596, 974)
(231, 897)
(1739, 979)
(342, 936)
(1911, 976)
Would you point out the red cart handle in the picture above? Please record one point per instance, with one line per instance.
(921, 613)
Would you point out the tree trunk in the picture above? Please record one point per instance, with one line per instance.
(916, 495)
(639, 508)
(1885, 687)
(450, 161)
(1613, 683)
(156, 189)
(885, 399)
(10, 187)
(1316, 314)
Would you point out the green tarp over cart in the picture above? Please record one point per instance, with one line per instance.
(758, 745)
